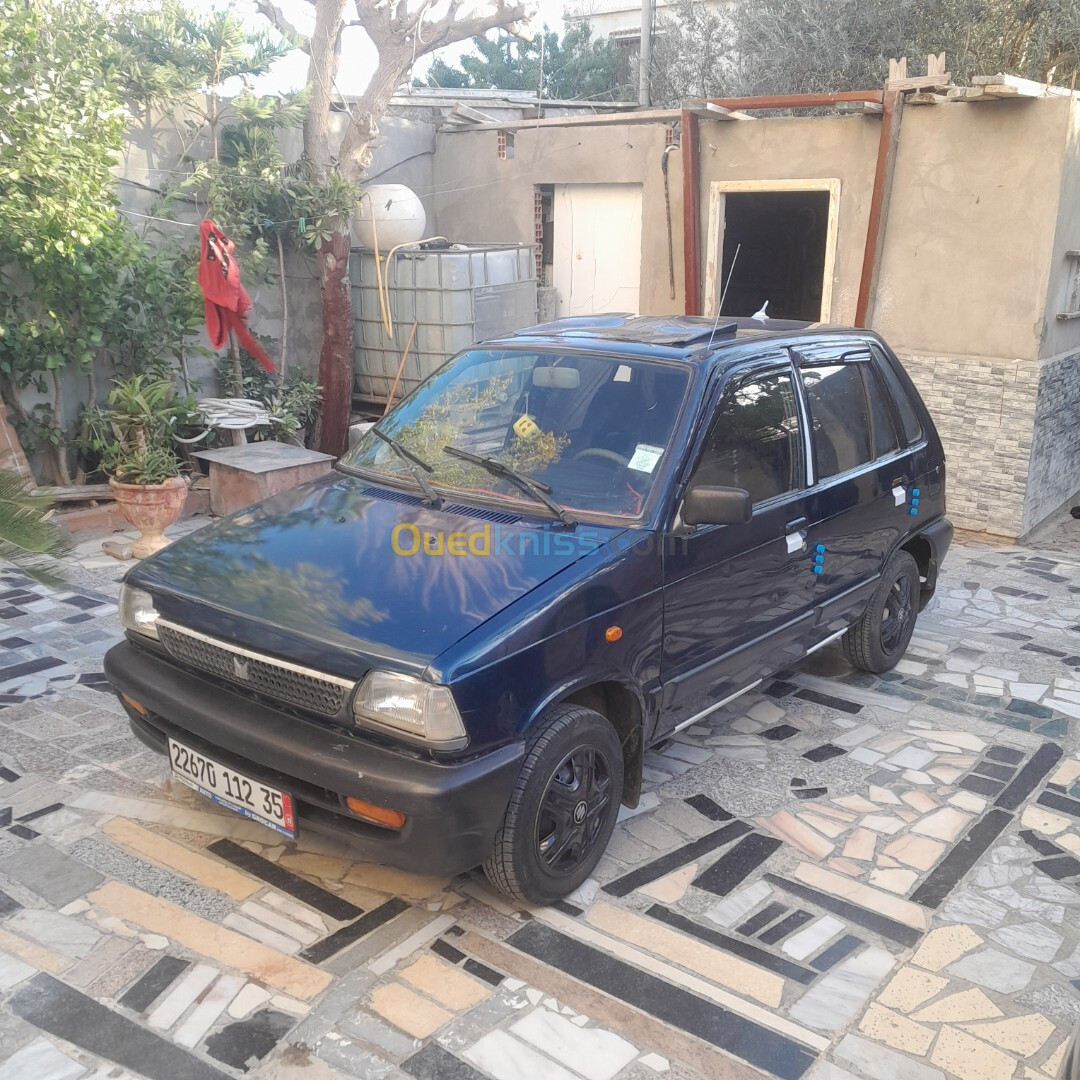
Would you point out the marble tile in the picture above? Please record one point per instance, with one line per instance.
(722, 968)
(740, 903)
(896, 881)
(857, 804)
(865, 756)
(787, 827)
(971, 1058)
(295, 910)
(813, 937)
(1043, 888)
(1028, 691)
(856, 735)
(920, 801)
(909, 988)
(945, 945)
(591, 1052)
(912, 757)
(1037, 909)
(945, 824)
(448, 985)
(655, 1062)
(879, 1063)
(279, 922)
(247, 1001)
(182, 996)
(883, 823)
(875, 900)
(1043, 821)
(917, 851)
(839, 995)
(891, 1028)
(964, 1005)
(13, 971)
(915, 776)
(260, 933)
(860, 845)
(843, 866)
(882, 795)
(40, 1060)
(209, 1008)
(1023, 1035)
(994, 970)
(823, 825)
(507, 1058)
(1031, 940)
(69, 936)
(412, 1013)
(962, 740)
(671, 888)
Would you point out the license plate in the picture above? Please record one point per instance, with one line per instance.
(252, 798)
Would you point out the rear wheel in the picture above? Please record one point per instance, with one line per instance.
(562, 809)
(880, 638)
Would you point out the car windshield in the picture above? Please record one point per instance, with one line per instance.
(591, 429)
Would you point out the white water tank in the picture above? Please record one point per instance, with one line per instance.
(399, 216)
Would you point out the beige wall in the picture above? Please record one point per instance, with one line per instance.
(805, 148)
(970, 224)
(482, 199)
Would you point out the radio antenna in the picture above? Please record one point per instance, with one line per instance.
(730, 274)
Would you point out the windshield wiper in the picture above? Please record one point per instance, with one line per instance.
(414, 463)
(537, 488)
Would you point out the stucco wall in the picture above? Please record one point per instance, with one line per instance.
(481, 198)
(970, 224)
(804, 148)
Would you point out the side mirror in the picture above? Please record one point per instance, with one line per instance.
(706, 505)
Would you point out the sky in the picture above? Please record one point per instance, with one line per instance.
(357, 53)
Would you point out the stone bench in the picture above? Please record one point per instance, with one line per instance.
(242, 475)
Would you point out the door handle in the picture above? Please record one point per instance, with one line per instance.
(796, 535)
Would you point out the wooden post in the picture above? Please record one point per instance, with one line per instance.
(691, 213)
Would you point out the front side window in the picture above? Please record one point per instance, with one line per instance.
(839, 418)
(754, 442)
(594, 429)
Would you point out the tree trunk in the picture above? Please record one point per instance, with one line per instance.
(284, 307)
(336, 358)
(59, 450)
(237, 369)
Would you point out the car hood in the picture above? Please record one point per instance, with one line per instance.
(313, 574)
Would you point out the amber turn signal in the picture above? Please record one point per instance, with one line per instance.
(392, 819)
(613, 633)
(137, 706)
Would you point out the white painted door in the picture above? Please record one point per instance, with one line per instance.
(596, 248)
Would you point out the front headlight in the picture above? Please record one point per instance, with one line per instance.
(410, 706)
(137, 612)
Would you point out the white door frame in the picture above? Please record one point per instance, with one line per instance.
(715, 242)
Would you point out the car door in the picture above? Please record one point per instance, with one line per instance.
(736, 597)
(857, 504)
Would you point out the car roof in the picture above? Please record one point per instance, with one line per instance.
(676, 337)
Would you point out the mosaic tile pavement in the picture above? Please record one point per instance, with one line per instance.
(839, 876)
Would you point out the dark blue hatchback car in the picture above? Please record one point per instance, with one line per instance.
(564, 546)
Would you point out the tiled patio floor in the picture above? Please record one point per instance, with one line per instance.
(839, 876)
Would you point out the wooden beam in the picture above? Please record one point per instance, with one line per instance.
(708, 111)
(926, 99)
(921, 82)
(1013, 86)
(859, 108)
(879, 203)
(642, 116)
(797, 101)
(691, 163)
(76, 493)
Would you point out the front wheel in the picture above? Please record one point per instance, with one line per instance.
(562, 809)
(880, 638)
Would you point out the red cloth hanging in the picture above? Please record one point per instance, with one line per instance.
(225, 300)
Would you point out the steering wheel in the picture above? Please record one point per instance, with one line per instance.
(600, 452)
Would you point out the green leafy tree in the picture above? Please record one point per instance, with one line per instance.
(62, 243)
(577, 67)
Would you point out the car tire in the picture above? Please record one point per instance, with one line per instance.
(880, 638)
(562, 809)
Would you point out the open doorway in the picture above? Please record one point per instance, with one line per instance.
(772, 241)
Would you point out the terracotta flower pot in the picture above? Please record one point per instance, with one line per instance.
(151, 508)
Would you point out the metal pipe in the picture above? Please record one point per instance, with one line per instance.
(691, 182)
(645, 61)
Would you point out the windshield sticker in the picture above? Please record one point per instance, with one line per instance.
(645, 457)
(525, 426)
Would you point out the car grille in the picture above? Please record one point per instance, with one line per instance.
(321, 694)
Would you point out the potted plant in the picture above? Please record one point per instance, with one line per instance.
(144, 473)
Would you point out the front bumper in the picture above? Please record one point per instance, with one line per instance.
(452, 810)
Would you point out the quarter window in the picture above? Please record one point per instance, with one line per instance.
(885, 440)
(754, 440)
(909, 419)
(839, 418)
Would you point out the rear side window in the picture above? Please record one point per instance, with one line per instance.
(885, 440)
(909, 418)
(839, 417)
(754, 440)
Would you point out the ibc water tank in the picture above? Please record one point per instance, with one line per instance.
(399, 216)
